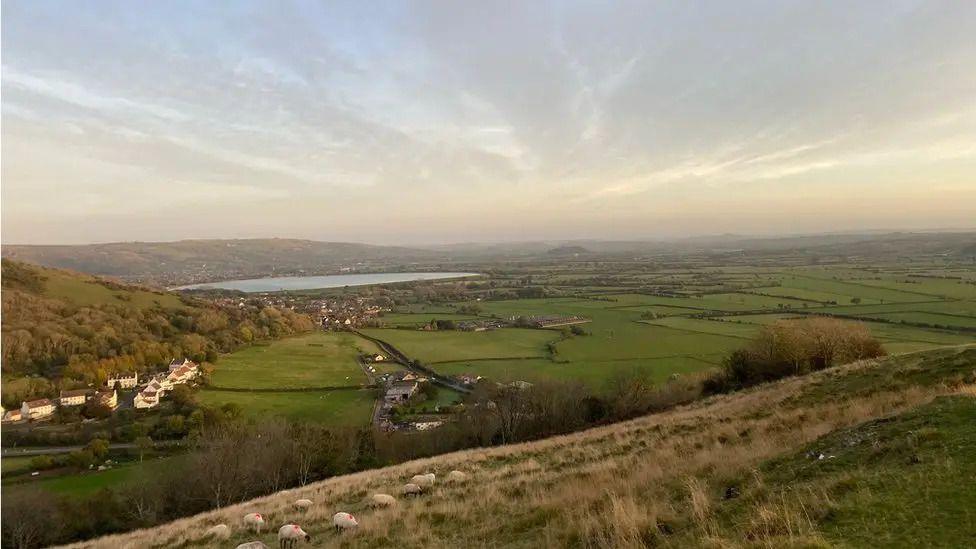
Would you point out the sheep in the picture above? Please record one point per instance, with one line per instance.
(289, 534)
(220, 531)
(254, 521)
(344, 521)
(383, 500)
(457, 476)
(303, 504)
(252, 545)
(411, 489)
(424, 481)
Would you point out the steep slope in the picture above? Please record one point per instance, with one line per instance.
(734, 470)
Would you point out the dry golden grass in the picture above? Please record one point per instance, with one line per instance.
(652, 481)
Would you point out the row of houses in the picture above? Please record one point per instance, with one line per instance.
(179, 372)
(44, 408)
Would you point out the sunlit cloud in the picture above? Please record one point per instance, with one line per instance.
(460, 121)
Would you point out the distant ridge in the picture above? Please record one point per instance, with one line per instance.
(193, 261)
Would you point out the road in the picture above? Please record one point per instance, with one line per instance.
(41, 450)
(412, 365)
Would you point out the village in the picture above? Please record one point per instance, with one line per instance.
(107, 398)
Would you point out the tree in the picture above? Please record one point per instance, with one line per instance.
(144, 444)
(98, 448)
(183, 399)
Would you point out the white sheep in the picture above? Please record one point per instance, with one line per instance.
(254, 521)
(383, 500)
(411, 489)
(252, 545)
(220, 531)
(344, 521)
(303, 504)
(289, 534)
(424, 481)
(457, 476)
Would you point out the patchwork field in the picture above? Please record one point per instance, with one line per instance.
(663, 334)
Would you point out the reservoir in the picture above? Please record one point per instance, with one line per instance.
(284, 283)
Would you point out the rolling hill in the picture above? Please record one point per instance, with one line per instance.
(62, 328)
(880, 451)
(189, 261)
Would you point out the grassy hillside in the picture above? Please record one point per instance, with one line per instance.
(737, 470)
(65, 328)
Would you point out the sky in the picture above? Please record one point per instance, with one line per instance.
(430, 122)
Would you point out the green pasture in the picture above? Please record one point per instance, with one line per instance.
(319, 359)
(88, 482)
(595, 374)
(452, 345)
(347, 407)
(850, 288)
(934, 319)
(395, 320)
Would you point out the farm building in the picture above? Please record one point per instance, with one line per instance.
(401, 391)
(74, 398)
(37, 409)
(124, 381)
(552, 321)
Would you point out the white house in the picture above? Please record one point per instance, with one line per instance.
(177, 364)
(109, 399)
(146, 398)
(37, 409)
(124, 381)
(73, 398)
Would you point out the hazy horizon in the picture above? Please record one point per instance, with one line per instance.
(444, 123)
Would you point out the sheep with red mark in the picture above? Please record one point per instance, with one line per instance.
(254, 521)
(344, 521)
(290, 534)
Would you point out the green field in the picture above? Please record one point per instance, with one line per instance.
(319, 359)
(449, 346)
(89, 482)
(339, 407)
(655, 334)
(416, 320)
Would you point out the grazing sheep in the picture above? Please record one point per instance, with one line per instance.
(303, 504)
(289, 534)
(252, 545)
(221, 531)
(411, 490)
(424, 481)
(344, 521)
(254, 521)
(383, 500)
(457, 476)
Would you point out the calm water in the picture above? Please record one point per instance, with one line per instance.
(318, 282)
